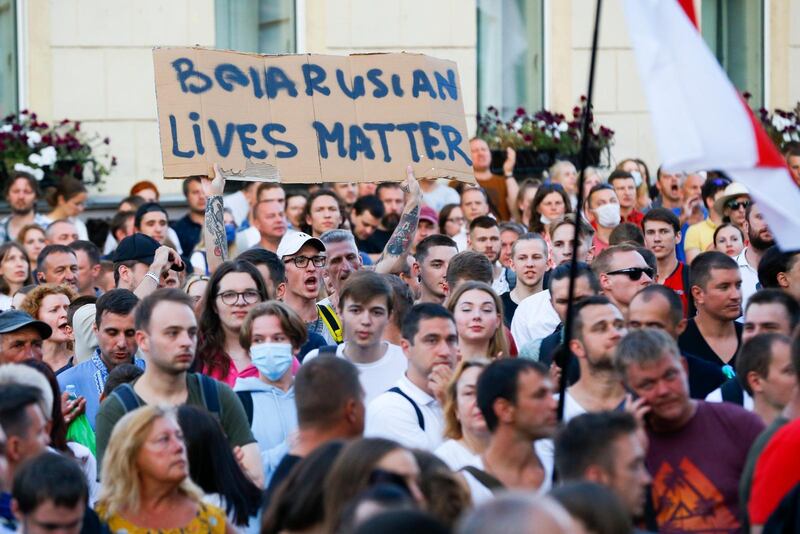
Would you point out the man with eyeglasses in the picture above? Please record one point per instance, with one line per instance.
(760, 239)
(305, 258)
(622, 272)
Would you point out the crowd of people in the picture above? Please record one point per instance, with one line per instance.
(353, 358)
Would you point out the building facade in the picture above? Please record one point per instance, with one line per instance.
(91, 60)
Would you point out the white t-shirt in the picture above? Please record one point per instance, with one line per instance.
(535, 318)
(716, 396)
(440, 196)
(392, 416)
(749, 279)
(456, 455)
(543, 449)
(378, 376)
(5, 302)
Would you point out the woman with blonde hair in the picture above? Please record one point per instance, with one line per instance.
(15, 272)
(49, 303)
(464, 425)
(145, 477)
(479, 321)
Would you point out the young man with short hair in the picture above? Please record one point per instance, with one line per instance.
(152, 220)
(51, 495)
(474, 203)
(365, 218)
(484, 238)
(764, 369)
(365, 306)
(88, 256)
(516, 399)
(603, 214)
(410, 413)
(116, 345)
(529, 259)
(662, 234)
(781, 270)
(561, 239)
(622, 272)
(697, 449)
(142, 265)
(625, 188)
(166, 334)
(433, 256)
(57, 264)
(605, 448)
(598, 329)
(713, 334)
(468, 266)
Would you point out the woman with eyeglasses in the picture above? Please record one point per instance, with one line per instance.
(549, 205)
(233, 290)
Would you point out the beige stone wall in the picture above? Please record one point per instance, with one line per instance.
(91, 60)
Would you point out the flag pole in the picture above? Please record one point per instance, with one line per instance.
(573, 271)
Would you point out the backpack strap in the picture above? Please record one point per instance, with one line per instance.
(127, 398)
(210, 393)
(484, 478)
(420, 418)
(732, 392)
(331, 321)
(246, 398)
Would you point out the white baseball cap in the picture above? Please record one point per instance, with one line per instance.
(293, 241)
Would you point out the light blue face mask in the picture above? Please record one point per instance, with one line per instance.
(637, 178)
(230, 233)
(272, 359)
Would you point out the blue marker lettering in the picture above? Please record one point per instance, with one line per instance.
(453, 138)
(430, 141)
(358, 85)
(266, 132)
(381, 128)
(397, 88)
(409, 128)
(374, 76)
(198, 134)
(314, 75)
(421, 84)
(227, 74)
(277, 80)
(176, 151)
(223, 145)
(184, 67)
(448, 84)
(244, 131)
(360, 143)
(335, 136)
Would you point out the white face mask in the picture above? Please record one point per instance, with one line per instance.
(608, 215)
(637, 178)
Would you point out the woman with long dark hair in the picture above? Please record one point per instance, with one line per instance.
(213, 467)
(549, 205)
(15, 272)
(233, 290)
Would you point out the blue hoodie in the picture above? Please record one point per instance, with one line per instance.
(274, 416)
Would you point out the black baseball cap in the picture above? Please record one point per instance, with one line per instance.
(141, 248)
(146, 208)
(13, 320)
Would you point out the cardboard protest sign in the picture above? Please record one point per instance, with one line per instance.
(310, 118)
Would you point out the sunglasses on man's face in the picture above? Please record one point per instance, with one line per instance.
(735, 205)
(635, 273)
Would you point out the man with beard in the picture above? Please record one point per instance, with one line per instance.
(484, 238)
(529, 257)
(190, 226)
(748, 259)
(516, 399)
(21, 194)
(599, 327)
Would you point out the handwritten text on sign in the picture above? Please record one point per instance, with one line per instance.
(310, 118)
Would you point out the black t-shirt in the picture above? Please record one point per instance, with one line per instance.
(693, 342)
(375, 243)
(509, 307)
(704, 377)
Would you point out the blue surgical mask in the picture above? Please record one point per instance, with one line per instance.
(272, 359)
(230, 232)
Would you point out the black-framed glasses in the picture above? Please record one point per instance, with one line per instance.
(737, 204)
(635, 273)
(249, 296)
(301, 262)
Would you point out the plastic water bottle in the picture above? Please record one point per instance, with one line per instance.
(70, 389)
(80, 431)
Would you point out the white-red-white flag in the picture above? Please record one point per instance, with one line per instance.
(700, 121)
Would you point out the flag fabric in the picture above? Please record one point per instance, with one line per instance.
(700, 121)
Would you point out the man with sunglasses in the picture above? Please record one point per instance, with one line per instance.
(622, 272)
(760, 239)
(304, 257)
(700, 236)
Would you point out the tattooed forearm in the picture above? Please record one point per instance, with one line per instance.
(216, 241)
(404, 233)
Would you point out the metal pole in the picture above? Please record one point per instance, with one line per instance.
(582, 160)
